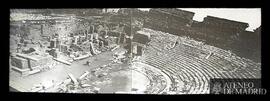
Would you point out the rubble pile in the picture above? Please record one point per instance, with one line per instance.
(119, 57)
(70, 85)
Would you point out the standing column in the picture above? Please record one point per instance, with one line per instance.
(134, 50)
(91, 37)
(41, 29)
(119, 38)
(93, 28)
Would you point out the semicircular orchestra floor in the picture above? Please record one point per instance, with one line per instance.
(139, 78)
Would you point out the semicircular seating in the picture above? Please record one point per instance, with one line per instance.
(185, 64)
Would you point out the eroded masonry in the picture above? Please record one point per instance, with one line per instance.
(160, 51)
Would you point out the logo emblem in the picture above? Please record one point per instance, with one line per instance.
(216, 88)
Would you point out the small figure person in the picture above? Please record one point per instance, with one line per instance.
(87, 63)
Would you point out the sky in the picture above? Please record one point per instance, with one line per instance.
(252, 16)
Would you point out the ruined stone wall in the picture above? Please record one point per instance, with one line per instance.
(169, 20)
(229, 35)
